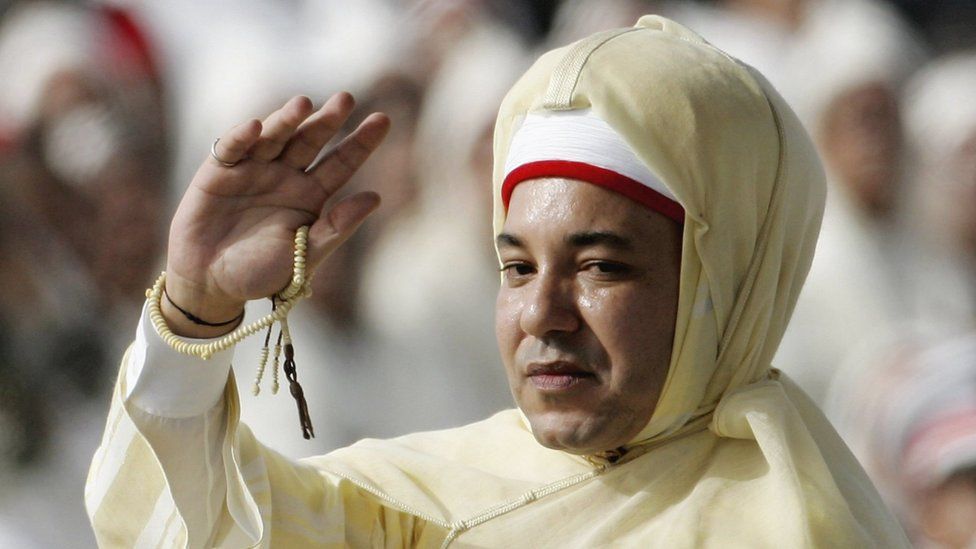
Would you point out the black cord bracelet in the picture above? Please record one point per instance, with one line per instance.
(197, 320)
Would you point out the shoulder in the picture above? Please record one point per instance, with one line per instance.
(500, 445)
(505, 427)
(481, 442)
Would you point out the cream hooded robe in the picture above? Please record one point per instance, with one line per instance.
(734, 455)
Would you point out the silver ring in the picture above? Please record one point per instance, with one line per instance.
(213, 153)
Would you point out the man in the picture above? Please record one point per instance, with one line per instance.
(656, 208)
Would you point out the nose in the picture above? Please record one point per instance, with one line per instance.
(550, 307)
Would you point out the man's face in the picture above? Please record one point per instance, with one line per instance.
(586, 311)
(861, 141)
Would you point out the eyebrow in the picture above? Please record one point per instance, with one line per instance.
(576, 240)
(506, 240)
(599, 238)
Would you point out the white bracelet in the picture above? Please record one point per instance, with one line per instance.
(281, 304)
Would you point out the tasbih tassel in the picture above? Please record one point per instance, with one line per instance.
(299, 286)
(256, 390)
(275, 365)
(293, 386)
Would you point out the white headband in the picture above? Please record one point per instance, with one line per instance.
(580, 145)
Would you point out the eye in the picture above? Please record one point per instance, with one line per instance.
(606, 268)
(517, 269)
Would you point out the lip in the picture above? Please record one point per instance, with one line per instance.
(557, 376)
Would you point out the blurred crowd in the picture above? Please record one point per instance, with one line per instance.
(107, 107)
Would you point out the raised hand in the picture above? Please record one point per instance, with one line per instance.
(231, 238)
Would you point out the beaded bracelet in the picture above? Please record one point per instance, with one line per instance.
(281, 305)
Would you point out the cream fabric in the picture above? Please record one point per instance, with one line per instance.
(767, 472)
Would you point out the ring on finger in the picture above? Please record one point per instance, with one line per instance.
(222, 162)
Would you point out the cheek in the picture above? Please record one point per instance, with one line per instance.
(610, 320)
(507, 310)
(635, 328)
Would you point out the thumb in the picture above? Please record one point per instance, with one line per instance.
(339, 223)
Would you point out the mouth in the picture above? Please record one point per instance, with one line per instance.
(557, 376)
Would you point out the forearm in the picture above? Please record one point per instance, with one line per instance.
(161, 453)
(174, 453)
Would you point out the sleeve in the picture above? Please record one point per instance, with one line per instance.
(175, 468)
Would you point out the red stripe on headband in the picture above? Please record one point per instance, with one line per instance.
(632, 189)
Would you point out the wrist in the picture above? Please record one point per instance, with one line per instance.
(188, 307)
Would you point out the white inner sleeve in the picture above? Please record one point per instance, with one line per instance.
(166, 383)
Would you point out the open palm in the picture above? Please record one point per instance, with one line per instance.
(231, 238)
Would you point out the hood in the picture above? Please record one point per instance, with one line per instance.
(736, 158)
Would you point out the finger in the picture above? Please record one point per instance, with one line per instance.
(335, 226)
(232, 147)
(315, 132)
(279, 127)
(338, 166)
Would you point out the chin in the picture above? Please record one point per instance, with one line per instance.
(574, 435)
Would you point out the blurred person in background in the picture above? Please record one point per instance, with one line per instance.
(84, 169)
(844, 67)
(909, 410)
(862, 53)
(23, 417)
(906, 406)
(941, 128)
(87, 164)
